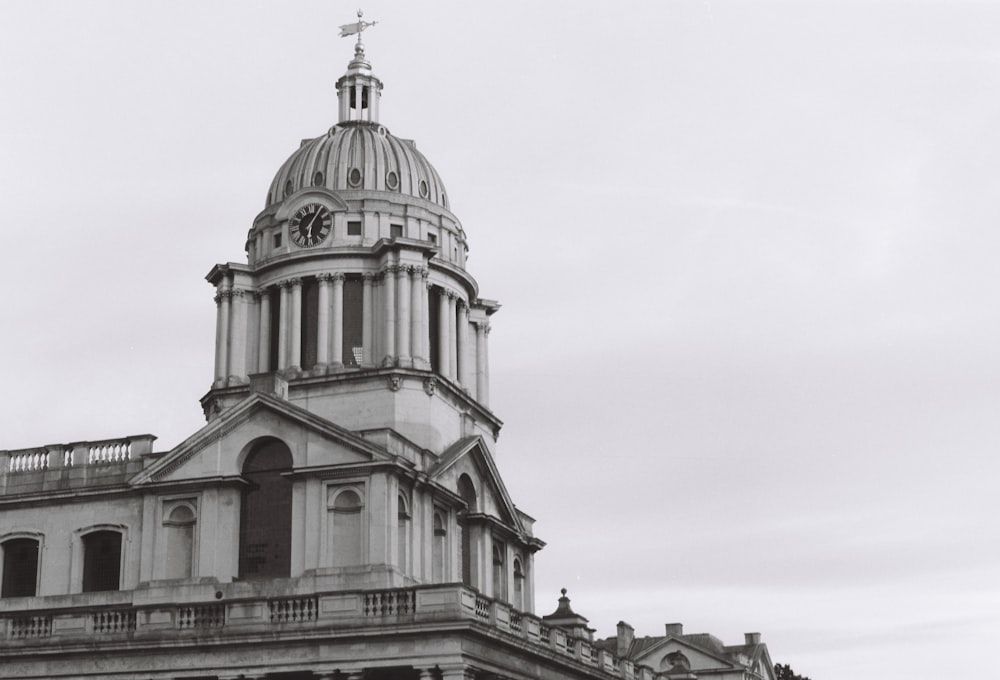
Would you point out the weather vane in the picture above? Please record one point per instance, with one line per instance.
(359, 27)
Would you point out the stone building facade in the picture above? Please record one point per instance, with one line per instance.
(340, 514)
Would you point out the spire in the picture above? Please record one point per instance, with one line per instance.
(358, 90)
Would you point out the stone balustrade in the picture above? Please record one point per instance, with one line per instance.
(237, 609)
(53, 466)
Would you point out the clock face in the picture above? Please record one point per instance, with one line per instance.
(310, 225)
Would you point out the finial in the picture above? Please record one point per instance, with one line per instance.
(563, 591)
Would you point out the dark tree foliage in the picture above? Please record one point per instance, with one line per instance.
(785, 672)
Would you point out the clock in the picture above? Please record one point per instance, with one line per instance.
(310, 225)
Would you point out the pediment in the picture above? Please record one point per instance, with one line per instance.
(220, 448)
(470, 456)
(699, 658)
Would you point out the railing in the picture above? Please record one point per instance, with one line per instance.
(57, 456)
(241, 609)
(110, 452)
(28, 461)
(293, 609)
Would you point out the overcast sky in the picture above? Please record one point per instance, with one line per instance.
(747, 254)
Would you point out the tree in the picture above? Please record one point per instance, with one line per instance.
(785, 672)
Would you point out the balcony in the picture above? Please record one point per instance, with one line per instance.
(202, 613)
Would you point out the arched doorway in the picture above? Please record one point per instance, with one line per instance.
(266, 513)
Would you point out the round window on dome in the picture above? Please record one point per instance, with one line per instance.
(318, 179)
(392, 180)
(288, 187)
(354, 177)
(423, 189)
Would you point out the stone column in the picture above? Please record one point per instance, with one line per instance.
(482, 386)
(338, 320)
(222, 301)
(452, 345)
(444, 362)
(389, 316)
(367, 317)
(283, 314)
(237, 362)
(295, 327)
(253, 328)
(264, 335)
(462, 343)
(418, 303)
(403, 315)
(456, 672)
(323, 323)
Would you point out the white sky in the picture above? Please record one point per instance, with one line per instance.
(748, 354)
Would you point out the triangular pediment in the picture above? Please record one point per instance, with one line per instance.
(470, 456)
(699, 657)
(220, 448)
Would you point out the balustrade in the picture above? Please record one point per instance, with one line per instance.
(119, 621)
(202, 616)
(390, 602)
(293, 609)
(22, 627)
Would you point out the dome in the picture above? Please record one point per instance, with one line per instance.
(358, 156)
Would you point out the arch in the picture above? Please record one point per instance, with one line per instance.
(499, 570)
(266, 512)
(346, 506)
(518, 583)
(179, 523)
(467, 490)
(440, 547)
(102, 560)
(402, 532)
(19, 565)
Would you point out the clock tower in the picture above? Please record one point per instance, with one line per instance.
(355, 302)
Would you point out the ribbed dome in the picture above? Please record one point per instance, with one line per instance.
(354, 156)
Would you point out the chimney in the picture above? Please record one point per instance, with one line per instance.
(675, 629)
(626, 634)
(752, 638)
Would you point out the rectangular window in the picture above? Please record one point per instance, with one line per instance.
(354, 228)
(274, 327)
(395, 230)
(310, 322)
(353, 320)
(20, 567)
(102, 555)
(277, 240)
(432, 237)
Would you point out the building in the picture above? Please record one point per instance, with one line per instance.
(340, 514)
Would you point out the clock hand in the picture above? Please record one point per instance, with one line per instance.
(309, 227)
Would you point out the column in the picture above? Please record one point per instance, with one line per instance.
(403, 315)
(264, 335)
(253, 328)
(443, 362)
(295, 327)
(456, 672)
(452, 353)
(389, 316)
(367, 331)
(338, 320)
(222, 300)
(237, 362)
(482, 390)
(462, 342)
(323, 323)
(418, 327)
(283, 325)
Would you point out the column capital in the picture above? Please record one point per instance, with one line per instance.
(240, 292)
(368, 277)
(389, 269)
(452, 295)
(337, 276)
(482, 327)
(325, 277)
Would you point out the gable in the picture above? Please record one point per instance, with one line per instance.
(470, 457)
(661, 657)
(221, 447)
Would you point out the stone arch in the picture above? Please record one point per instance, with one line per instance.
(266, 512)
(467, 490)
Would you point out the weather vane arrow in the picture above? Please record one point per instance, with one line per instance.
(358, 27)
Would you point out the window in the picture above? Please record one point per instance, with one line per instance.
(402, 533)
(20, 567)
(395, 230)
(354, 228)
(440, 547)
(277, 240)
(432, 237)
(346, 524)
(266, 513)
(178, 525)
(499, 570)
(353, 320)
(102, 559)
(467, 491)
(518, 585)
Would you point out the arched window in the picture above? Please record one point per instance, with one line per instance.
(20, 567)
(179, 527)
(518, 584)
(346, 532)
(499, 570)
(266, 513)
(402, 533)
(467, 490)
(440, 547)
(102, 560)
